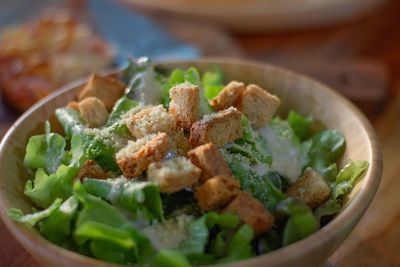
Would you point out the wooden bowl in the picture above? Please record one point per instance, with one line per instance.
(297, 92)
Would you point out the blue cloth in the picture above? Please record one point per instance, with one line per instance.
(136, 35)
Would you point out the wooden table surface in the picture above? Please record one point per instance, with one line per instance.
(360, 59)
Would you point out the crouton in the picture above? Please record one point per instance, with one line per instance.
(208, 158)
(229, 96)
(73, 105)
(218, 128)
(258, 105)
(185, 104)
(173, 175)
(93, 112)
(106, 88)
(310, 188)
(137, 155)
(250, 211)
(217, 192)
(153, 119)
(91, 169)
(179, 143)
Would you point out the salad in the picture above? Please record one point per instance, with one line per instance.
(179, 168)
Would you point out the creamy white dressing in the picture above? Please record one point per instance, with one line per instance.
(287, 158)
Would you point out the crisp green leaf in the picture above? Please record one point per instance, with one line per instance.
(123, 105)
(94, 147)
(301, 125)
(44, 189)
(45, 151)
(239, 247)
(327, 147)
(170, 258)
(143, 197)
(301, 221)
(107, 228)
(213, 82)
(341, 186)
(32, 219)
(57, 227)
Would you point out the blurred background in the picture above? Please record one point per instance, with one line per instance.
(351, 45)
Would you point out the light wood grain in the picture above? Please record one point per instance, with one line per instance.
(297, 92)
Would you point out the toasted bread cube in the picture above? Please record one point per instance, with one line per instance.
(73, 105)
(137, 155)
(208, 158)
(106, 88)
(258, 105)
(185, 104)
(229, 96)
(218, 128)
(173, 175)
(150, 120)
(91, 169)
(310, 188)
(179, 143)
(217, 192)
(93, 112)
(250, 211)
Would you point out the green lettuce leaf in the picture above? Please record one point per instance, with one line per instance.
(239, 247)
(44, 189)
(123, 105)
(143, 83)
(57, 227)
(110, 233)
(213, 82)
(327, 147)
(224, 247)
(45, 151)
(170, 258)
(302, 126)
(94, 147)
(31, 219)
(137, 197)
(301, 221)
(341, 186)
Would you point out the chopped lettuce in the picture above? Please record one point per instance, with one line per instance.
(58, 226)
(94, 147)
(45, 151)
(110, 233)
(259, 186)
(170, 258)
(231, 247)
(300, 223)
(123, 105)
(302, 126)
(327, 147)
(213, 82)
(32, 219)
(44, 189)
(143, 85)
(288, 154)
(341, 186)
(137, 197)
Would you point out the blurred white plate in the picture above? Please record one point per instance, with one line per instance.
(259, 15)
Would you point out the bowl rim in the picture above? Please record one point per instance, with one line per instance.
(324, 235)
